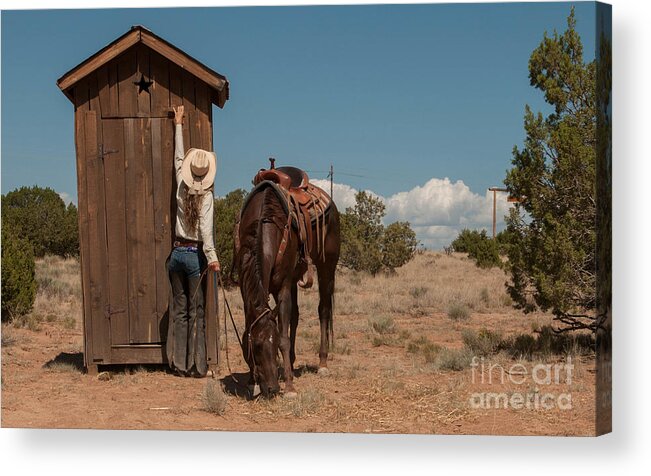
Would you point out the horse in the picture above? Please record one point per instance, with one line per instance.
(270, 258)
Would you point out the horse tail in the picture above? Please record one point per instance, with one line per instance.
(331, 331)
(236, 253)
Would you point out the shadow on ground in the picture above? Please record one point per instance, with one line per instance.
(71, 359)
(236, 384)
(305, 369)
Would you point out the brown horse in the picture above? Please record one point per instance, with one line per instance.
(263, 271)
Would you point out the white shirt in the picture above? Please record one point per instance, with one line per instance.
(205, 232)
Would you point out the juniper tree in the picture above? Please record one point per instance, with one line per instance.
(552, 229)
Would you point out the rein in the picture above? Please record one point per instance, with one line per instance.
(250, 341)
(227, 307)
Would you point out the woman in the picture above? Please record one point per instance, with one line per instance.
(193, 248)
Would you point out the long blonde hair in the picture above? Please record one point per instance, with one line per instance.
(191, 208)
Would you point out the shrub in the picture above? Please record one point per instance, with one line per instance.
(214, 398)
(458, 312)
(453, 359)
(547, 343)
(430, 351)
(227, 211)
(418, 292)
(40, 215)
(398, 245)
(485, 253)
(69, 322)
(18, 276)
(484, 295)
(482, 343)
(382, 325)
(466, 240)
(479, 247)
(423, 346)
(366, 244)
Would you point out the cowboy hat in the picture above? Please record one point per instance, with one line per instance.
(198, 170)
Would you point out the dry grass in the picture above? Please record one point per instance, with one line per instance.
(61, 367)
(453, 359)
(214, 397)
(458, 312)
(423, 346)
(8, 339)
(427, 284)
(431, 283)
(58, 298)
(398, 363)
(307, 402)
(482, 343)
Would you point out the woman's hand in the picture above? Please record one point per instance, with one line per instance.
(214, 266)
(178, 114)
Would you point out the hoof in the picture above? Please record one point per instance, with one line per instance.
(323, 371)
(291, 394)
(254, 390)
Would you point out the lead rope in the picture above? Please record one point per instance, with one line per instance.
(226, 307)
(250, 346)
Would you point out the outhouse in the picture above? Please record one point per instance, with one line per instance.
(123, 97)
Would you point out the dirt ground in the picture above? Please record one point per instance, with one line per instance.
(389, 373)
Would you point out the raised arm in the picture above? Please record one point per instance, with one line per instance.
(179, 150)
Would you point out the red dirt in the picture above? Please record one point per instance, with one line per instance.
(377, 389)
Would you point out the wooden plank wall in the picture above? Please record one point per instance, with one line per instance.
(84, 258)
(172, 86)
(127, 201)
(141, 269)
(92, 222)
(115, 189)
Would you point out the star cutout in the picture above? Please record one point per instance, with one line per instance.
(143, 84)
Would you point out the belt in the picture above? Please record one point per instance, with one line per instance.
(186, 244)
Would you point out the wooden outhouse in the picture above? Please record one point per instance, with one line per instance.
(124, 136)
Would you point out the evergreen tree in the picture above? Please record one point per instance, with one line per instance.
(227, 211)
(40, 215)
(366, 244)
(398, 245)
(18, 276)
(552, 230)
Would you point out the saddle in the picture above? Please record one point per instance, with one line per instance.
(307, 207)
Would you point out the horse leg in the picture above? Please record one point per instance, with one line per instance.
(326, 294)
(284, 319)
(293, 324)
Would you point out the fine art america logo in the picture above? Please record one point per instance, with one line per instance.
(536, 379)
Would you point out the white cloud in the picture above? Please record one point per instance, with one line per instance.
(344, 195)
(67, 199)
(437, 210)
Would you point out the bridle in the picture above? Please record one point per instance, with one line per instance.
(250, 341)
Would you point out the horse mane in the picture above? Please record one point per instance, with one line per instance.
(257, 244)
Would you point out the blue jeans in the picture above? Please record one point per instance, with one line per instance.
(187, 261)
(186, 338)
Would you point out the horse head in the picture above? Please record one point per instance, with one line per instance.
(260, 347)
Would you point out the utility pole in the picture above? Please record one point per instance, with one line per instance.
(509, 199)
(495, 190)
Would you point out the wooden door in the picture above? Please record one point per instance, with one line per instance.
(138, 177)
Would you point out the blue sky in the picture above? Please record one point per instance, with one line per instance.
(393, 96)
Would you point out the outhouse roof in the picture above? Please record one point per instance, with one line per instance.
(139, 34)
